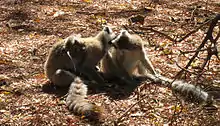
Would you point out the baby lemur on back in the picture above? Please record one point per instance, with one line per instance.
(68, 59)
(128, 54)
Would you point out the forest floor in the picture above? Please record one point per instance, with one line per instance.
(29, 28)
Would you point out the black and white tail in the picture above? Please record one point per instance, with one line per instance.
(188, 91)
(77, 102)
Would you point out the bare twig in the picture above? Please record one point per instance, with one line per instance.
(191, 51)
(193, 13)
(114, 12)
(185, 69)
(6, 90)
(159, 32)
(193, 31)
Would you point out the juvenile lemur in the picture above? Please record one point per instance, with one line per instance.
(129, 54)
(78, 55)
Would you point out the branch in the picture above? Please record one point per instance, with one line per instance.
(161, 33)
(193, 31)
(191, 51)
(208, 37)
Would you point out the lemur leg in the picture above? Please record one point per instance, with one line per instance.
(63, 78)
(146, 63)
(118, 71)
(127, 78)
(141, 69)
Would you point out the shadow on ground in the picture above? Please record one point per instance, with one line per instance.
(114, 88)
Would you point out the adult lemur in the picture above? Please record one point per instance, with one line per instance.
(78, 55)
(129, 54)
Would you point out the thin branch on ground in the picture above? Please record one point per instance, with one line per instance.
(191, 51)
(193, 13)
(6, 90)
(185, 69)
(114, 12)
(159, 32)
(193, 31)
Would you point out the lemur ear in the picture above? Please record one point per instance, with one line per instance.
(124, 32)
(107, 29)
(78, 44)
(71, 40)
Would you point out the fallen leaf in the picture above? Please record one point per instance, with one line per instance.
(37, 20)
(87, 1)
(39, 76)
(58, 13)
(167, 51)
(6, 92)
(195, 64)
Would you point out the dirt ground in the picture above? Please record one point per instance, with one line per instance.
(29, 28)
